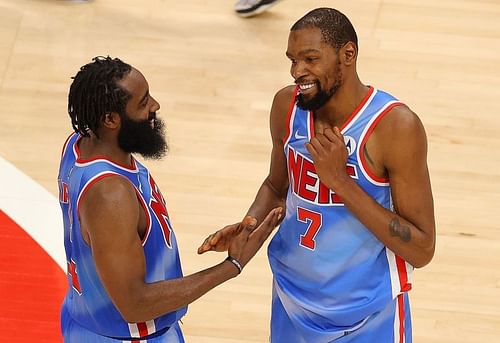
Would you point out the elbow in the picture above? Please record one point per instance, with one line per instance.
(131, 314)
(132, 310)
(425, 257)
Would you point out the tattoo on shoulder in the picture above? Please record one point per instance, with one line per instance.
(398, 230)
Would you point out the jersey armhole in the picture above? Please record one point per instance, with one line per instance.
(365, 167)
(289, 116)
(89, 184)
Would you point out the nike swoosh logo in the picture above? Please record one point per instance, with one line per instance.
(297, 136)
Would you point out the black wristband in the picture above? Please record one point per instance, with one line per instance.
(235, 263)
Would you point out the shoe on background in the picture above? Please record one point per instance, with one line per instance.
(250, 8)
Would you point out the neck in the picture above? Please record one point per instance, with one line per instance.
(107, 147)
(339, 108)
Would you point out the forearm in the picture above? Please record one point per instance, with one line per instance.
(397, 233)
(148, 301)
(267, 198)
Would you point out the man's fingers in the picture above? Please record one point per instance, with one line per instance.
(215, 237)
(269, 223)
(249, 223)
(311, 150)
(337, 133)
(322, 139)
(203, 249)
(332, 137)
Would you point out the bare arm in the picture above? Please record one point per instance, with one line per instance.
(109, 215)
(272, 192)
(401, 149)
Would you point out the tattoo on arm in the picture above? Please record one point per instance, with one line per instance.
(398, 230)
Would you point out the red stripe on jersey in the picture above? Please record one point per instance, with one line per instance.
(403, 274)
(289, 115)
(65, 145)
(358, 108)
(132, 166)
(401, 314)
(365, 139)
(148, 217)
(143, 329)
(351, 117)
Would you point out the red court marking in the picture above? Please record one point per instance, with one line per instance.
(32, 288)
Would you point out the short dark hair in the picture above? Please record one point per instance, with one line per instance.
(94, 92)
(335, 27)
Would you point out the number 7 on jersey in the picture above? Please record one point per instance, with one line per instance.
(314, 221)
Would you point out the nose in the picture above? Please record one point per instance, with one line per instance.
(155, 106)
(298, 70)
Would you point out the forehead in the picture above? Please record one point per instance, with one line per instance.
(134, 83)
(306, 39)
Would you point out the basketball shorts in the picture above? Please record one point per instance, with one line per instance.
(391, 325)
(75, 333)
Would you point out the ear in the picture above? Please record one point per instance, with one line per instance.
(111, 120)
(349, 52)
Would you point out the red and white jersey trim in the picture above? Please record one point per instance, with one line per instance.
(363, 165)
(358, 111)
(400, 272)
(399, 320)
(80, 162)
(144, 329)
(148, 216)
(290, 118)
(65, 146)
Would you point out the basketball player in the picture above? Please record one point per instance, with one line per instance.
(124, 273)
(349, 160)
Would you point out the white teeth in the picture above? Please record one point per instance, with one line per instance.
(306, 86)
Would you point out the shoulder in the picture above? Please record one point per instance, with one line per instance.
(284, 96)
(282, 106)
(402, 136)
(400, 120)
(111, 190)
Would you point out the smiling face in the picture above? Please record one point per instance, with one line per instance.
(141, 131)
(316, 67)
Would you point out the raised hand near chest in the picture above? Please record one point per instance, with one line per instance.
(329, 155)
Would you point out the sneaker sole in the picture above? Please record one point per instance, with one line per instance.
(254, 11)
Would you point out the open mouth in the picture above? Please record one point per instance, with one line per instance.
(152, 119)
(305, 88)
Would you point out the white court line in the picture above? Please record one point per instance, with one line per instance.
(34, 209)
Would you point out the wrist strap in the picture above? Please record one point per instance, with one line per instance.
(235, 262)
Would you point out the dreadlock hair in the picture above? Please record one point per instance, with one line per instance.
(94, 93)
(335, 27)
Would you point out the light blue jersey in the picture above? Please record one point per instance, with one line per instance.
(88, 310)
(332, 276)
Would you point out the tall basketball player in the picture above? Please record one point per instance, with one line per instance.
(349, 161)
(124, 274)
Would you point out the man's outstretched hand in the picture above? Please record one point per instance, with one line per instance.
(222, 239)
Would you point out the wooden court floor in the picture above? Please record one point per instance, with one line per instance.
(215, 75)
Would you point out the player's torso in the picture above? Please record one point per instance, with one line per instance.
(322, 254)
(87, 300)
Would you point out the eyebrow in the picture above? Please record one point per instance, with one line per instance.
(144, 97)
(304, 52)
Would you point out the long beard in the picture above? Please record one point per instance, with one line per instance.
(139, 137)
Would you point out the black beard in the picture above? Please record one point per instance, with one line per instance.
(139, 137)
(318, 100)
(322, 96)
